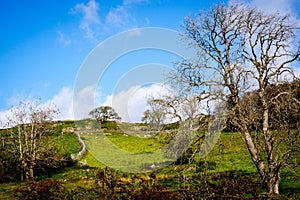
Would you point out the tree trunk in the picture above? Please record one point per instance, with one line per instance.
(254, 153)
(24, 170)
(271, 180)
(272, 177)
(31, 174)
(272, 183)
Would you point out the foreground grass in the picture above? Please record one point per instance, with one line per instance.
(230, 153)
(228, 163)
(7, 190)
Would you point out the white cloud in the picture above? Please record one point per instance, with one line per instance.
(118, 17)
(121, 18)
(131, 104)
(296, 71)
(17, 97)
(63, 101)
(90, 17)
(268, 7)
(63, 39)
(84, 101)
(281, 6)
(3, 118)
(130, 2)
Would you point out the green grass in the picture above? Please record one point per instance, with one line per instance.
(135, 144)
(130, 153)
(6, 190)
(67, 144)
(91, 160)
(126, 153)
(230, 153)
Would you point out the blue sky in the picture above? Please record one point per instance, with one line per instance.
(44, 43)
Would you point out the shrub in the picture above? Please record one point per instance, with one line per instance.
(44, 189)
(109, 187)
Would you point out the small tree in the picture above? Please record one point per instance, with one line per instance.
(29, 122)
(104, 113)
(156, 115)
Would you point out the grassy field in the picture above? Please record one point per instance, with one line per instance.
(228, 163)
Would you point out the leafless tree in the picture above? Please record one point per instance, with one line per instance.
(241, 49)
(29, 122)
(156, 115)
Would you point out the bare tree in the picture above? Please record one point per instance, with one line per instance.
(242, 49)
(29, 122)
(156, 115)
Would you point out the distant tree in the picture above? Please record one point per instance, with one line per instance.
(156, 115)
(104, 113)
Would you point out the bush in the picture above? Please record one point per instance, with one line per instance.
(171, 126)
(206, 165)
(44, 189)
(110, 125)
(8, 158)
(110, 187)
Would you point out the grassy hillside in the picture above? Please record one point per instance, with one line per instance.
(227, 170)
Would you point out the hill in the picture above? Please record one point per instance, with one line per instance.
(227, 172)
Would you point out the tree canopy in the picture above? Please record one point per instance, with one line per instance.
(104, 113)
